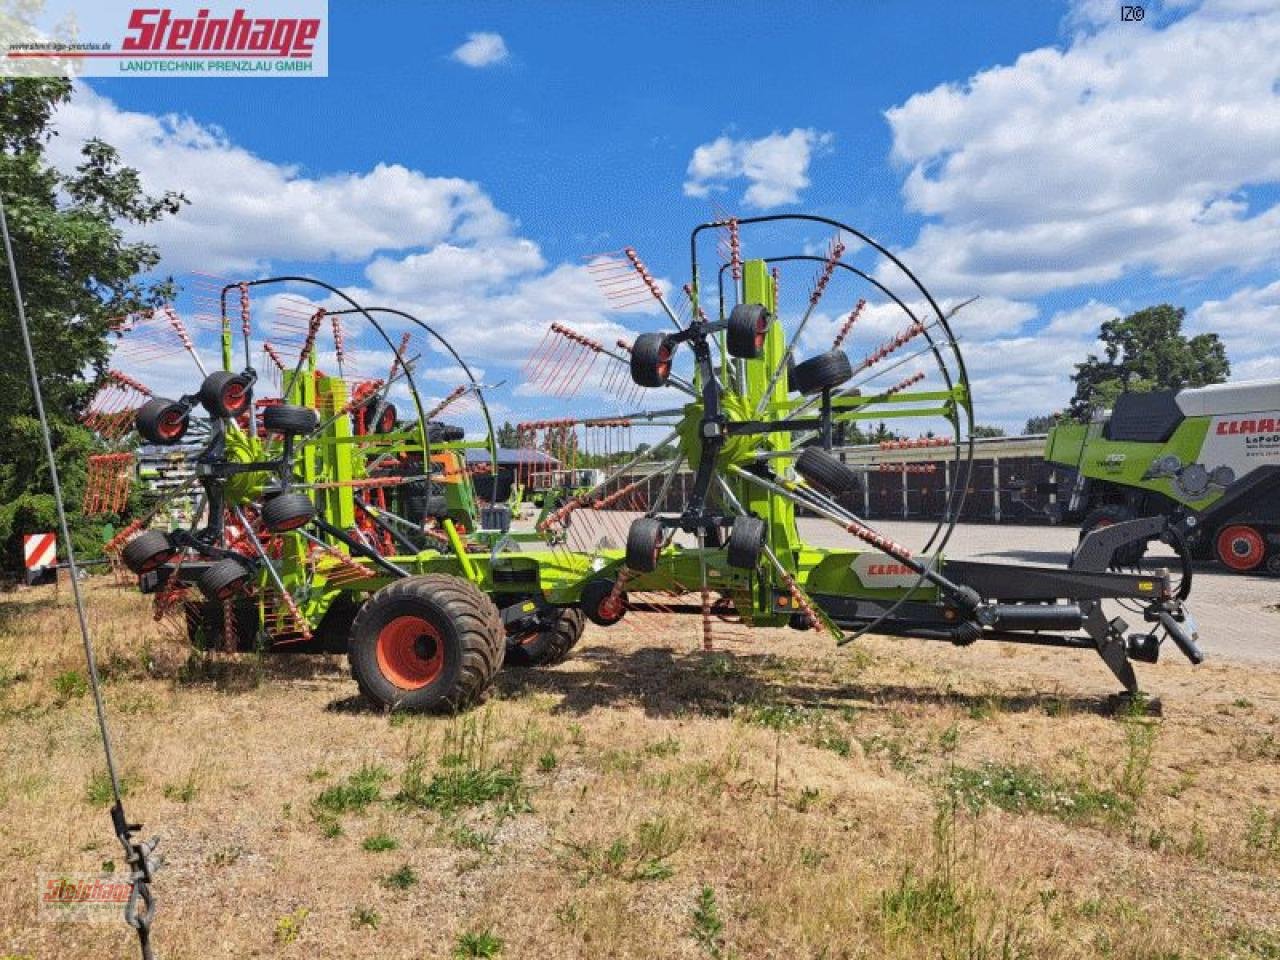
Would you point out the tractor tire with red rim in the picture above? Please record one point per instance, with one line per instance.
(287, 511)
(225, 394)
(651, 357)
(431, 642)
(288, 418)
(146, 551)
(224, 579)
(746, 330)
(1240, 547)
(162, 421)
(1107, 515)
(549, 645)
(644, 543)
(599, 605)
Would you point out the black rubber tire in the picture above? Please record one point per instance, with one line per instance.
(550, 645)
(419, 506)
(223, 579)
(384, 418)
(746, 542)
(287, 418)
(644, 543)
(471, 641)
(593, 596)
(225, 394)
(748, 325)
(825, 472)
(287, 511)
(651, 357)
(823, 372)
(146, 551)
(162, 421)
(438, 432)
(1105, 516)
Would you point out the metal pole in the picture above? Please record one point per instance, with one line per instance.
(138, 855)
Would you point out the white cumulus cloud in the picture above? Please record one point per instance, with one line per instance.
(775, 167)
(481, 50)
(1134, 147)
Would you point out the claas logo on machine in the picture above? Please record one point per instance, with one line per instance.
(888, 570)
(1234, 427)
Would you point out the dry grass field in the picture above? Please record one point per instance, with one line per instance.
(774, 798)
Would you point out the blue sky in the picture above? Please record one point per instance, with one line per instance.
(1061, 164)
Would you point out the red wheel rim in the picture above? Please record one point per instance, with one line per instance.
(293, 524)
(410, 652)
(664, 361)
(233, 398)
(762, 328)
(171, 425)
(156, 561)
(1241, 547)
(612, 608)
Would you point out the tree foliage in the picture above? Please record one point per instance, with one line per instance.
(1041, 423)
(78, 273)
(1147, 351)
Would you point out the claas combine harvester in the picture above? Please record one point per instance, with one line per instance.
(323, 514)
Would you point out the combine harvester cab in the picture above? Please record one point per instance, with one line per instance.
(1205, 458)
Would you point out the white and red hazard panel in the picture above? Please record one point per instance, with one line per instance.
(40, 557)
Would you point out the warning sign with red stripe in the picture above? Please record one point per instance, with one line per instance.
(39, 550)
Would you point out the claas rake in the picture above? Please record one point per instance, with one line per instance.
(336, 508)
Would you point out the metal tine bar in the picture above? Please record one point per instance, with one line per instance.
(180, 328)
(536, 354)
(652, 284)
(576, 503)
(848, 323)
(834, 253)
(271, 570)
(308, 346)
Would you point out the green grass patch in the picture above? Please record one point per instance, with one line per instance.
(401, 879)
(454, 788)
(379, 843)
(483, 943)
(1023, 789)
(354, 794)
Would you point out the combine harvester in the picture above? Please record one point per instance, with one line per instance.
(1207, 459)
(325, 514)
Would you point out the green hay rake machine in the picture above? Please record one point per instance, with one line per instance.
(324, 516)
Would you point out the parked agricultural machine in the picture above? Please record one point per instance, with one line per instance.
(1206, 458)
(328, 515)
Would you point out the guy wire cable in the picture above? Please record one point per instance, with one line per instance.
(138, 855)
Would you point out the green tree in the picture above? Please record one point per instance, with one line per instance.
(508, 438)
(984, 430)
(1147, 351)
(77, 274)
(1041, 423)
